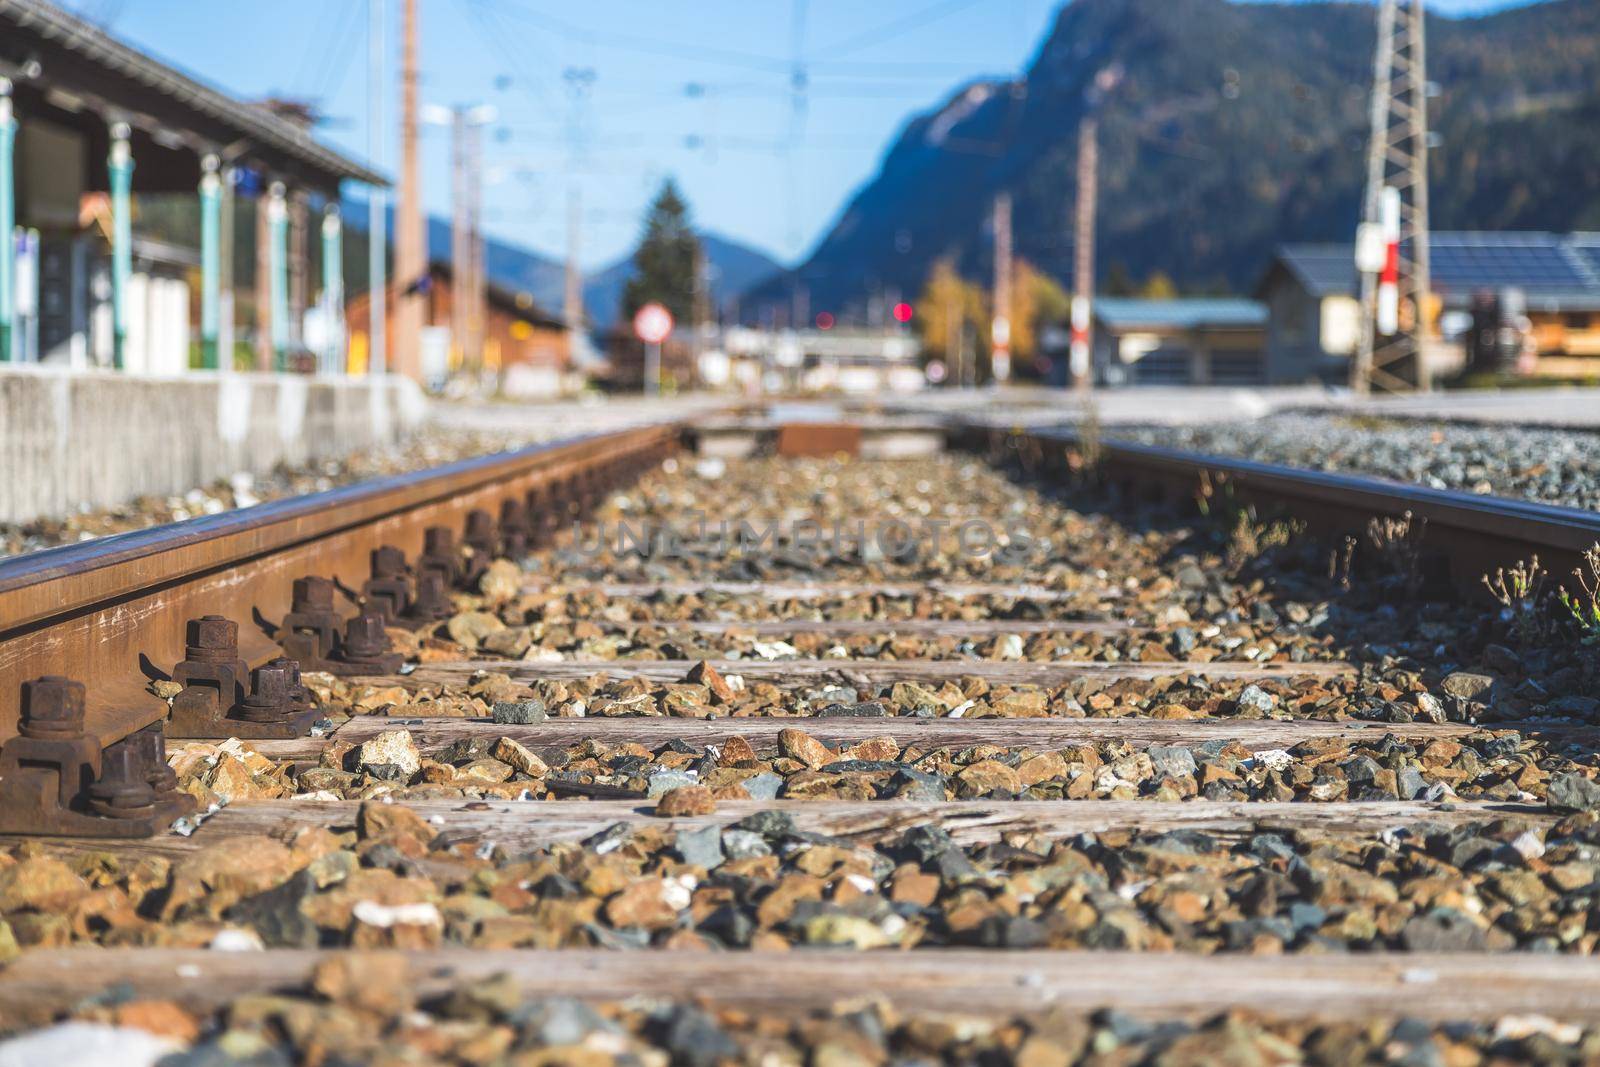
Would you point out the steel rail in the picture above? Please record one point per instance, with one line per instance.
(1469, 535)
(113, 613)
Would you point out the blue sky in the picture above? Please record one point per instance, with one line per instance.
(617, 94)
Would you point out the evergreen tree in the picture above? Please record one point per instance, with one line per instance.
(664, 263)
(1118, 281)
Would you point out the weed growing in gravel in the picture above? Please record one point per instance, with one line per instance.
(1520, 594)
(1398, 546)
(1249, 536)
(1341, 561)
(1091, 436)
(1585, 604)
(1219, 490)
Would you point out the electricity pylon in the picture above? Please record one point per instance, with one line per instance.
(1392, 243)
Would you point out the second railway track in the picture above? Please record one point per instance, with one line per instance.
(508, 749)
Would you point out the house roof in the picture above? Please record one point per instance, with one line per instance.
(78, 57)
(1554, 271)
(1586, 246)
(519, 305)
(1119, 313)
(1324, 270)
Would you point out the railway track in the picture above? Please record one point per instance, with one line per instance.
(1136, 768)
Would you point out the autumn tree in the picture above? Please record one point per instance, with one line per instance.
(1159, 286)
(1037, 301)
(953, 320)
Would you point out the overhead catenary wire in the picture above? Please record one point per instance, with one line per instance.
(343, 57)
(559, 38)
(320, 66)
(637, 43)
(492, 33)
(915, 20)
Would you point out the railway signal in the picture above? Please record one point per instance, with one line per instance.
(652, 324)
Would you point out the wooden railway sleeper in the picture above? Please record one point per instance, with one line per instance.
(222, 697)
(56, 779)
(314, 634)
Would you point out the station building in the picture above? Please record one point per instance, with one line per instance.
(150, 222)
(1179, 342)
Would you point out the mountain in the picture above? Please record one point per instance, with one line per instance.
(735, 268)
(1234, 127)
(509, 266)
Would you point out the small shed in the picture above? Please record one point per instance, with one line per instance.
(1179, 342)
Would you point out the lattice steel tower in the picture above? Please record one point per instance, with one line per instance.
(1392, 247)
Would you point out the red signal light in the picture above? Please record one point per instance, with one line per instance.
(824, 321)
(902, 312)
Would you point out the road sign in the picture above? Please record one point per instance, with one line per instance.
(652, 324)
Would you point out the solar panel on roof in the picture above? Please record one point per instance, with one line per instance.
(1530, 263)
(1545, 265)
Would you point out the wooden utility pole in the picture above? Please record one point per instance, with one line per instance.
(572, 294)
(411, 239)
(1000, 329)
(1081, 371)
(477, 310)
(377, 204)
(460, 236)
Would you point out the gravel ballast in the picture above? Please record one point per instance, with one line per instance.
(1549, 466)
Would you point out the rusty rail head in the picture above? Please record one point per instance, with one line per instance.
(113, 612)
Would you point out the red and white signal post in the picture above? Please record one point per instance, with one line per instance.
(1389, 277)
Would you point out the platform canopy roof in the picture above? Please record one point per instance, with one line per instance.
(72, 74)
